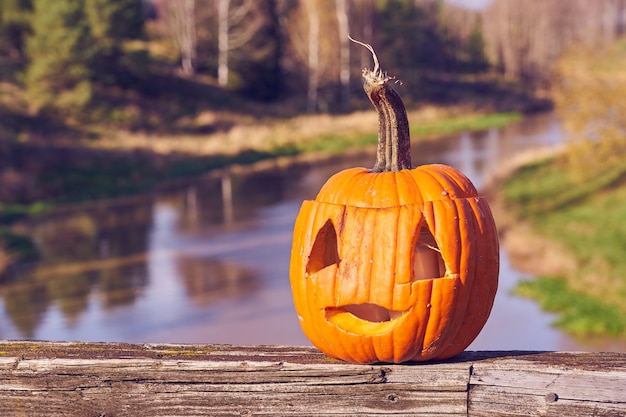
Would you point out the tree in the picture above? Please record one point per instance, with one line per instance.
(77, 45)
(526, 38)
(14, 26)
(588, 92)
(475, 58)
(343, 30)
(313, 55)
(257, 64)
(403, 34)
(111, 23)
(239, 21)
(181, 16)
(223, 29)
(60, 49)
(313, 52)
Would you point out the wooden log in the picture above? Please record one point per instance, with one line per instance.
(550, 384)
(116, 380)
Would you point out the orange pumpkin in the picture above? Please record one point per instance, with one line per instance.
(394, 264)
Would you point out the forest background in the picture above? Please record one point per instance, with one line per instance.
(105, 97)
(152, 64)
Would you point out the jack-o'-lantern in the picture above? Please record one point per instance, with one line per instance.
(394, 263)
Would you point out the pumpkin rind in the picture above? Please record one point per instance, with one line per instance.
(442, 316)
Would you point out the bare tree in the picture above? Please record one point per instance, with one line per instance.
(181, 18)
(527, 38)
(238, 23)
(313, 56)
(223, 26)
(312, 48)
(343, 30)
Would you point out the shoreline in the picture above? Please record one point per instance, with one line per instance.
(268, 161)
(522, 243)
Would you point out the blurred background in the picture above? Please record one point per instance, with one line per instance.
(154, 155)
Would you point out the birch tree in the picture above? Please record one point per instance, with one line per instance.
(182, 21)
(223, 7)
(343, 30)
(313, 51)
(238, 23)
(527, 38)
(313, 55)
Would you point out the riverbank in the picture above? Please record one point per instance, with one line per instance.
(41, 177)
(571, 236)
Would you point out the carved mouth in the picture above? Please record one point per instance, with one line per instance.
(367, 318)
(368, 312)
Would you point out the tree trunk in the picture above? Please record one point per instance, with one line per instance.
(344, 53)
(188, 39)
(222, 41)
(314, 56)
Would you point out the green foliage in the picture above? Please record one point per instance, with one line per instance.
(545, 186)
(464, 123)
(340, 143)
(589, 95)
(404, 36)
(16, 246)
(115, 21)
(474, 57)
(579, 313)
(111, 23)
(588, 221)
(585, 218)
(579, 199)
(60, 49)
(76, 47)
(14, 25)
(416, 40)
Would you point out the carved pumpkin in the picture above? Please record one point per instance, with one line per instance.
(393, 264)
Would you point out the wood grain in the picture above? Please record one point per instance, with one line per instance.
(114, 379)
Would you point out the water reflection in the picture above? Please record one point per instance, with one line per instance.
(81, 253)
(208, 261)
(207, 280)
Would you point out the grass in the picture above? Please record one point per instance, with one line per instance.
(579, 313)
(428, 129)
(464, 123)
(587, 218)
(94, 173)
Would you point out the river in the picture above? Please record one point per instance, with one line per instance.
(207, 261)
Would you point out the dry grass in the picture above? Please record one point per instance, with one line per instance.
(529, 251)
(234, 133)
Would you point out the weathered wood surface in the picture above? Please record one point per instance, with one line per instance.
(116, 380)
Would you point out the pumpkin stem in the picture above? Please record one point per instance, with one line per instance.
(394, 141)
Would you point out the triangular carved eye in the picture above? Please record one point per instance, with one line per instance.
(428, 262)
(324, 252)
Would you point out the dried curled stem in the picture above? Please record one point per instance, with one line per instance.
(394, 142)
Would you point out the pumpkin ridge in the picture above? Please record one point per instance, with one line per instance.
(339, 181)
(335, 289)
(424, 298)
(299, 280)
(467, 269)
(452, 182)
(364, 289)
(409, 191)
(394, 259)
